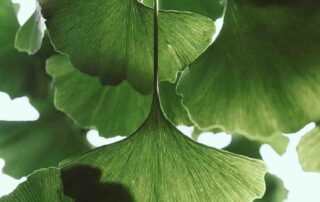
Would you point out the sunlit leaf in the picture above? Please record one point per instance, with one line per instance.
(29, 36)
(210, 8)
(33, 189)
(244, 146)
(150, 164)
(275, 190)
(261, 75)
(115, 42)
(309, 151)
(112, 110)
(171, 103)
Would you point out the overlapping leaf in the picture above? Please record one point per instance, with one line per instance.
(275, 190)
(210, 8)
(150, 164)
(115, 42)
(27, 146)
(261, 75)
(33, 189)
(29, 36)
(309, 151)
(112, 110)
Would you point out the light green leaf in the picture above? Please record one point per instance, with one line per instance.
(210, 8)
(309, 151)
(275, 190)
(171, 103)
(29, 36)
(113, 110)
(48, 140)
(44, 142)
(33, 189)
(261, 75)
(158, 163)
(20, 75)
(115, 42)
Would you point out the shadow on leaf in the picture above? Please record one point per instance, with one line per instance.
(82, 183)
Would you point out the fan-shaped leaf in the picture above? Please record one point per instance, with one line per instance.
(115, 42)
(261, 75)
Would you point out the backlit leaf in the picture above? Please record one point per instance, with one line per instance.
(29, 36)
(309, 151)
(33, 189)
(112, 110)
(261, 75)
(115, 42)
(158, 163)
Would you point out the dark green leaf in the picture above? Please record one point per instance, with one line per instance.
(27, 146)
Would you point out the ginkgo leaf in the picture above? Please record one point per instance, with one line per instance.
(275, 190)
(115, 42)
(112, 110)
(209, 8)
(48, 140)
(44, 142)
(261, 75)
(20, 75)
(29, 36)
(172, 106)
(33, 189)
(309, 151)
(247, 147)
(158, 163)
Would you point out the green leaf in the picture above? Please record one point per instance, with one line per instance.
(115, 42)
(150, 164)
(20, 75)
(48, 140)
(33, 189)
(275, 190)
(209, 8)
(112, 110)
(309, 150)
(261, 75)
(44, 142)
(171, 103)
(247, 147)
(29, 36)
